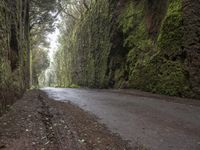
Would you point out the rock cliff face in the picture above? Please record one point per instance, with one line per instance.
(13, 50)
(191, 21)
(152, 45)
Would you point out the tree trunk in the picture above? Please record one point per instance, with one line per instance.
(27, 26)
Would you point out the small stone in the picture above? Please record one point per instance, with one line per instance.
(82, 140)
(46, 143)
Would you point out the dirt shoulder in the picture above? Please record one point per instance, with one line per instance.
(38, 123)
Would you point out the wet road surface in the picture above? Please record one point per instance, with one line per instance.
(154, 122)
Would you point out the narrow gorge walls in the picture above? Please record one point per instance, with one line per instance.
(14, 50)
(150, 45)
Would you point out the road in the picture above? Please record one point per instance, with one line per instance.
(156, 123)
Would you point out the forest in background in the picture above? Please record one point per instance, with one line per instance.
(141, 44)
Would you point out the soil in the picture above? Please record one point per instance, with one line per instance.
(155, 121)
(38, 123)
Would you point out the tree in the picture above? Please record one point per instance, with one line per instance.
(40, 64)
(43, 14)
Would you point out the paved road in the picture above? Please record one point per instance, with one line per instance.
(148, 120)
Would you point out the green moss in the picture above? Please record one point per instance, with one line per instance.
(171, 35)
(160, 76)
(172, 79)
(88, 46)
(172, 75)
(157, 67)
(11, 78)
(132, 23)
(144, 76)
(142, 61)
(74, 86)
(126, 17)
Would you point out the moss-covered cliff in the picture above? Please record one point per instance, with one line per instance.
(191, 21)
(13, 50)
(130, 44)
(156, 57)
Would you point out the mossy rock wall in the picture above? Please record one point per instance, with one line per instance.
(156, 57)
(88, 48)
(131, 44)
(12, 52)
(191, 21)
